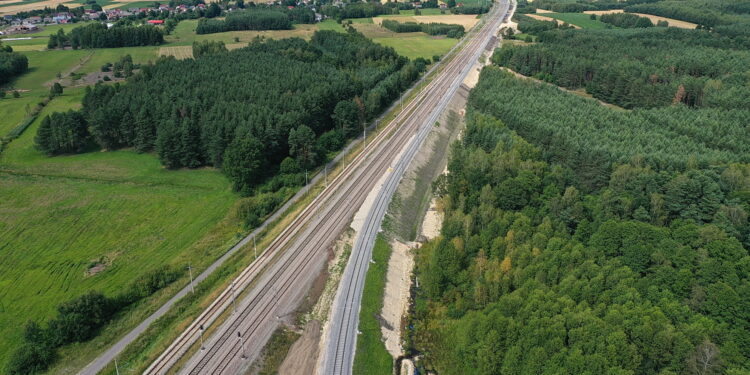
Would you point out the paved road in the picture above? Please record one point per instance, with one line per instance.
(282, 275)
(339, 355)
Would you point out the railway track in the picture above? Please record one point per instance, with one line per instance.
(339, 356)
(281, 275)
(192, 334)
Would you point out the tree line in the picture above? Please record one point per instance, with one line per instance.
(639, 68)
(12, 63)
(79, 320)
(536, 272)
(257, 18)
(245, 111)
(98, 35)
(626, 20)
(358, 10)
(433, 28)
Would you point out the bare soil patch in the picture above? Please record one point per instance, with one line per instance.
(303, 355)
(539, 10)
(671, 21)
(396, 296)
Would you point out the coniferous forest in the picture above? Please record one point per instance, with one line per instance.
(97, 35)
(11, 63)
(641, 68)
(244, 111)
(565, 251)
(584, 239)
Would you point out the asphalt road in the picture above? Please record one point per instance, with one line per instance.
(341, 343)
(281, 277)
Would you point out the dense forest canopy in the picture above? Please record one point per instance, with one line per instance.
(12, 64)
(626, 20)
(98, 35)
(641, 68)
(240, 109)
(257, 18)
(358, 10)
(539, 272)
(433, 28)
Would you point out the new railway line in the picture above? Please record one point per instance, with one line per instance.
(280, 277)
(338, 358)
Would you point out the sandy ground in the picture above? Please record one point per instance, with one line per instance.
(545, 18)
(432, 222)
(303, 354)
(672, 22)
(407, 367)
(396, 296)
(539, 10)
(466, 20)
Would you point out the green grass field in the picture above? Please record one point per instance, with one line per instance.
(59, 215)
(371, 357)
(419, 45)
(579, 19)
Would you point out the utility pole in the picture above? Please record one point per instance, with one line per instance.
(117, 368)
(364, 136)
(325, 174)
(234, 297)
(255, 247)
(242, 344)
(190, 269)
(202, 347)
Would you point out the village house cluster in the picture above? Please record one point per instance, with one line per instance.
(20, 25)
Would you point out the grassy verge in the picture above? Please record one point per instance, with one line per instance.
(276, 350)
(371, 356)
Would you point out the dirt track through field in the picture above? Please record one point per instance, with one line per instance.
(654, 19)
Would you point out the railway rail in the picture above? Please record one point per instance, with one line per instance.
(280, 277)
